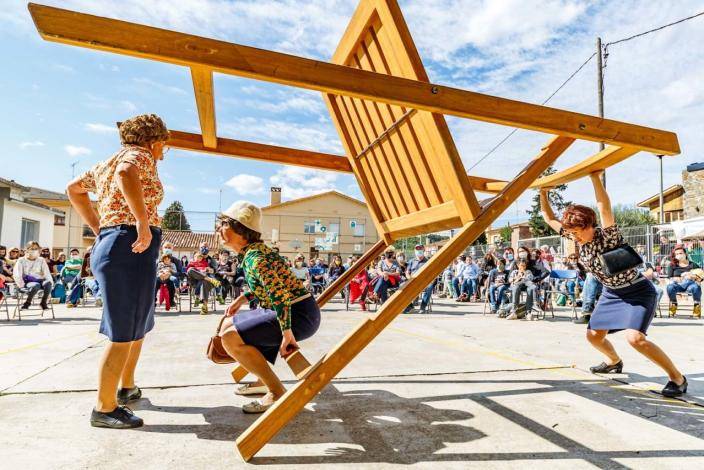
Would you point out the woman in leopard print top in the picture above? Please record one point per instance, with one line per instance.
(628, 301)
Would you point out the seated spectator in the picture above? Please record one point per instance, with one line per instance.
(46, 254)
(167, 248)
(682, 281)
(359, 286)
(540, 256)
(60, 261)
(403, 264)
(317, 275)
(574, 264)
(520, 279)
(498, 285)
(648, 271)
(71, 269)
(547, 254)
(336, 270)
(510, 257)
(300, 270)
(468, 278)
(199, 275)
(388, 275)
(165, 274)
(85, 282)
(225, 273)
(488, 264)
(457, 278)
(413, 267)
(31, 273)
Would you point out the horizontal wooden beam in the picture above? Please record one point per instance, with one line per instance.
(94, 32)
(602, 160)
(263, 152)
(205, 101)
(433, 219)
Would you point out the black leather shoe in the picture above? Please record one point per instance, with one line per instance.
(672, 390)
(25, 306)
(119, 418)
(583, 320)
(604, 368)
(125, 395)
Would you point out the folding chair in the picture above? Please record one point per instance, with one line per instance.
(557, 275)
(20, 294)
(3, 302)
(389, 117)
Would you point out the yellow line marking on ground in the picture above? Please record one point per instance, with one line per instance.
(44, 343)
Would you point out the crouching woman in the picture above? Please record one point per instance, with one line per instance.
(287, 312)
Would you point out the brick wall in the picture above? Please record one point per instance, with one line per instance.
(693, 184)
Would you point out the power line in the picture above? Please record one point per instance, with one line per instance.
(606, 56)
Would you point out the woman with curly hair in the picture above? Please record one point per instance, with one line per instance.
(124, 256)
(628, 301)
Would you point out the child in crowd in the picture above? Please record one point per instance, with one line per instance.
(520, 276)
(498, 285)
(165, 270)
(198, 272)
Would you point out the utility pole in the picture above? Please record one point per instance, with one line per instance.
(662, 194)
(600, 92)
(70, 210)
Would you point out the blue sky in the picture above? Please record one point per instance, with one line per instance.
(60, 103)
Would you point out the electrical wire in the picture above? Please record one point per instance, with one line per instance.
(605, 49)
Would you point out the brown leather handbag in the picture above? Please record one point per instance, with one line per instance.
(216, 352)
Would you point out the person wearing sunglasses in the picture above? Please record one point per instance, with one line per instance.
(628, 301)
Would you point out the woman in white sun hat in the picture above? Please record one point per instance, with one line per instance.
(286, 312)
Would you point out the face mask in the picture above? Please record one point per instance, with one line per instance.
(33, 254)
(419, 253)
(168, 251)
(74, 256)
(681, 257)
(298, 264)
(203, 251)
(522, 255)
(509, 257)
(401, 259)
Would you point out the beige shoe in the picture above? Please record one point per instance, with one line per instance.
(251, 389)
(697, 311)
(513, 316)
(672, 310)
(256, 407)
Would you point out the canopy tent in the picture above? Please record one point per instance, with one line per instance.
(390, 118)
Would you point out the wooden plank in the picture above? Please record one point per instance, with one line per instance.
(94, 32)
(338, 284)
(239, 373)
(433, 219)
(205, 101)
(293, 401)
(298, 364)
(606, 158)
(263, 152)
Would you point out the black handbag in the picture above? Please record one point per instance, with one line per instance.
(620, 259)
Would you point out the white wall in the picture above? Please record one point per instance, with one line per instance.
(13, 214)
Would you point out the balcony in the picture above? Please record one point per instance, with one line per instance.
(87, 232)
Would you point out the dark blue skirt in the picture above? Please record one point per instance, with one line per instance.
(629, 308)
(260, 327)
(126, 282)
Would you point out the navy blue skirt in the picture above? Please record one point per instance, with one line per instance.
(260, 327)
(629, 308)
(126, 282)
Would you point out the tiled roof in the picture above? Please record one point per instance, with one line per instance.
(39, 193)
(183, 239)
(313, 196)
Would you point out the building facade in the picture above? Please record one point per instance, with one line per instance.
(673, 206)
(693, 184)
(323, 225)
(22, 219)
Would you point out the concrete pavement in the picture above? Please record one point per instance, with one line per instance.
(453, 389)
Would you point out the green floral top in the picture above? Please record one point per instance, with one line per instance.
(271, 281)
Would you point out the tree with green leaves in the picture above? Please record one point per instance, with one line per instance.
(175, 218)
(505, 233)
(537, 224)
(631, 216)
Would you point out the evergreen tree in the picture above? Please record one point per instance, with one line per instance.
(631, 216)
(537, 224)
(506, 233)
(175, 218)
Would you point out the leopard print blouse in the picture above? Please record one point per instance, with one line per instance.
(605, 239)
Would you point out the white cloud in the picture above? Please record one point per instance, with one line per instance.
(159, 86)
(319, 136)
(208, 190)
(100, 128)
(64, 68)
(298, 182)
(32, 143)
(76, 150)
(245, 184)
(128, 105)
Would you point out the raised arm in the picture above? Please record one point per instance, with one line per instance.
(603, 203)
(78, 195)
(546, 210)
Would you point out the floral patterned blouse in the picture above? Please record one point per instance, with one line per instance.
(605, 239)
(112, 206)
(271, 281)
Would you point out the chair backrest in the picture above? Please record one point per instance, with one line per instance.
(564, 274)
(405, 160)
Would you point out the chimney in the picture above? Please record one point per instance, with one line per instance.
(275, 196)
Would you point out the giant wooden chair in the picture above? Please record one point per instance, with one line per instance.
(398, 146)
